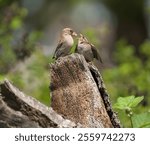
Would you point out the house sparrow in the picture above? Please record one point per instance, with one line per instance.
(65, 43)
(87, 49)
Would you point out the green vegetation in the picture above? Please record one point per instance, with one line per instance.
(127, 104)
(130, 76)
(32, 76)
(21, 61)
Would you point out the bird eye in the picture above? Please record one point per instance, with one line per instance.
(71, 31)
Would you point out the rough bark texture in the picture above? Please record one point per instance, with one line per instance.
(76, 94)
(102, 89)
(20, 110)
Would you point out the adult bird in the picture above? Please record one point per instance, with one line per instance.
(65, 43)
(87, 49)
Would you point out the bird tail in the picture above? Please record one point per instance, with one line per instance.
(96, 54)
(99, 57)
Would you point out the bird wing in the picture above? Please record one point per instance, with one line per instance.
(95, 53)
(58, 46)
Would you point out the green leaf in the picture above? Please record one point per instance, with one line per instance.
(123, 102)
(126, 103)
(136, 101)
(72, 49)
(141, 120)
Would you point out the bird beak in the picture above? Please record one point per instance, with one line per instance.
(74, 34)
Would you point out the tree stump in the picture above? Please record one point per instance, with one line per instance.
(78, 93)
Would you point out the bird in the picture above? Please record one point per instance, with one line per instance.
(65, 43)
(87, 49)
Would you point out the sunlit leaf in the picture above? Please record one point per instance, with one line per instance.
(141, 120)
(129, 102)
(136, 101)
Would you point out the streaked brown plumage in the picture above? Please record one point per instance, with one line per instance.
(87, 49)
(65, 43)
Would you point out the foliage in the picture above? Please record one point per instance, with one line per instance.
(32, 76)
(130, 75)
(17, 44)
(14, 43)
(127, 104)
(141, 120)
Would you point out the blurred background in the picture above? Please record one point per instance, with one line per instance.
(120, 30)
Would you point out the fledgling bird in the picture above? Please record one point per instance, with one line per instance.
(65, 43)
(87, 49)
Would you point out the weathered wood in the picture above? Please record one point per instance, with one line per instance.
(78, 94)
(75, 94)
(20, 110)
(105, 96)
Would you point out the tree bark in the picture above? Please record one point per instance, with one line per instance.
(78, 93)
(20, 110)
